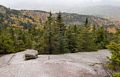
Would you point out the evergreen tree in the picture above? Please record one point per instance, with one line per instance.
(40, 41)
(86, 22)
(114, 46)
(115, 59)
(101, 37)
(6, 42)
(61, 34)
(72, 38)
(48, 34)
(88, 38)
(19, 40)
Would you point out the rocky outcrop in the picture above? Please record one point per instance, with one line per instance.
(83, 64)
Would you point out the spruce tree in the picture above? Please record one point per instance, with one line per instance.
(88, 39)
(101, 37)
(6, 42)
(72, 38)
(61, 34)
(48, 34)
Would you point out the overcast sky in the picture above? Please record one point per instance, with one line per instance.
(56, 5)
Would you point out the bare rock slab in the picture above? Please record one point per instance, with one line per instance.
(82, 64)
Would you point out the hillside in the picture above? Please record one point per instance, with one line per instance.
(3, 9)
(102, 11)
(70, 18)
(37, 16)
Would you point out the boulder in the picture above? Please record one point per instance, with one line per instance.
(31, 54)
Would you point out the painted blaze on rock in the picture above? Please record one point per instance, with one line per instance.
(31, 54)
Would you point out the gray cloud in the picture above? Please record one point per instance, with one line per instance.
(55, 5)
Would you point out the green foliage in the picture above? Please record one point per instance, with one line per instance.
(50, 37)
(116, 74)
(88, 39)
(101, 37)
(72, 38)
(114, 46)
(115, 59)
(6, 43)
(61, 34)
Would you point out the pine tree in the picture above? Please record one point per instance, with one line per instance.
(101, 37)
(19, 40)
(88, 38)
(61, 34)
(48, 34)
(86, 22)
(114, 46)
(72, 38)
(40, 41)
(6, 42)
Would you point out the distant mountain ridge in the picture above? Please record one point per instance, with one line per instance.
(68, 18)
(3, 9)
(102, 11)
